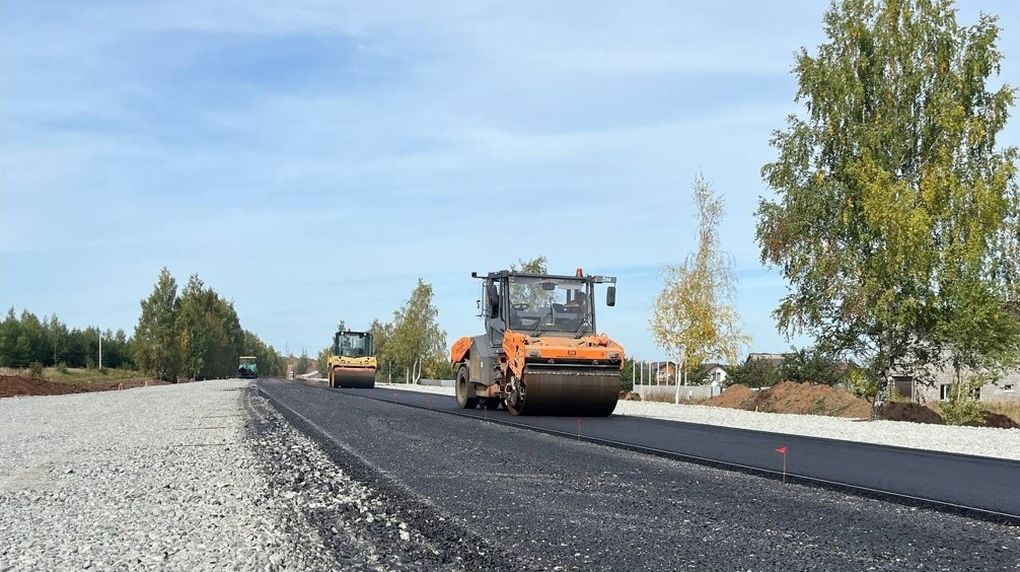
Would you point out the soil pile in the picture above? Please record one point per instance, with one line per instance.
(914, 412)
(11, 385)
(735, 397)
(14, 385)
(806, 398)
(790, 397)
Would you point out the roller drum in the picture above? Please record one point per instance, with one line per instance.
(572, 391)
(354, 377)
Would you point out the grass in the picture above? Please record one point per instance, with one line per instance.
(83, 376)
(1010, 409)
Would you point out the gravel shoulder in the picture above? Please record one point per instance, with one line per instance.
(159, 478)
(982, 441)
(202, 476)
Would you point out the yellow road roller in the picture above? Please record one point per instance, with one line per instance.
(353, 362)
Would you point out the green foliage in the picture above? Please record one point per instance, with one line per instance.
(157, 347)
(414, 342)
(381, 335)
(322, 360)
(896, 218)
(35, 369)
(209, 333)
(26, 339)
(196, 335)
(537, 265)
(694, 318)
(302, 364)
(863, 383)
(813, 365)
(754, 373)
(531, 294)
(962, 406)
(627, 374)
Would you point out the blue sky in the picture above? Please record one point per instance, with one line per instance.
(310, 160)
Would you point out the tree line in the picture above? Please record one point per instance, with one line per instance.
(27, 341)
(195, 333)
(409, 347)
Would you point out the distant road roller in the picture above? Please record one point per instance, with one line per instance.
(353, 362)
(539, 354)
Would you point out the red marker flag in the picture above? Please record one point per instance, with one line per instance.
(782, 451)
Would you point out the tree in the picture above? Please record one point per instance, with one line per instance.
(813, 365)
(896, 216)
(755, 373)
(156, 343)
(193, 337)
(536, 265)
(322, 360)
(209, 332)
(532, 294)
(9, 330)
(301, 367)
(417, 343)
(694, 319)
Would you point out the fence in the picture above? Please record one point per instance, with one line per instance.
(658, 381)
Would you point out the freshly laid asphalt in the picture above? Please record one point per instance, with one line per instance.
(897, 471)
(550, 502)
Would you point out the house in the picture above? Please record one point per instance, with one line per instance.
(712, 373)
(665, 373)
(938, 385)
(775, 360)
(944, 381)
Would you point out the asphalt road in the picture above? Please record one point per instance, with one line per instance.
(547, 502)
(910, 473)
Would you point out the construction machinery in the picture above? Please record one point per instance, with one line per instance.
(540, 354)
(352, 363)
(247, 368)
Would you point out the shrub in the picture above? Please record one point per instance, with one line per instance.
(862, 384)
(755, 373)
(61, 368)
(962, 406)
(35, 369)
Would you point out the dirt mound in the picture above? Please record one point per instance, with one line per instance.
(11, 385)
(735, 397)
(913, 412)
(999, 421)
(14, 385)
(790, 397)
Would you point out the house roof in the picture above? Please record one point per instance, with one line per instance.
(772, 358)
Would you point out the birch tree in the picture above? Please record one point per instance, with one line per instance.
(694, 319)
(895, 219)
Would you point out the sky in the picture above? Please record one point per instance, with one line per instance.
(310, 160)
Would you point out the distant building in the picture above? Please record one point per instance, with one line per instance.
(943, 383)
(714, 374)
(775, 360)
